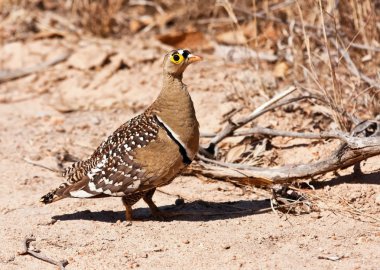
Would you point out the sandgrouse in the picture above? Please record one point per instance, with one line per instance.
(144, 153)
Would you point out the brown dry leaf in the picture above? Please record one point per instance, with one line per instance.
(138, 23)
(232, 38)
(192, 40)
(135, 25)
(162, 19)
(271, 33)
(280, 70)
(250, 29)
(236, 152)
(89, 57)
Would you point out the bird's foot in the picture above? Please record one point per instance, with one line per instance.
(124, 223)
(127, 223)
(156, 213)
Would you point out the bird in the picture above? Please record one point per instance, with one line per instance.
(146, 152)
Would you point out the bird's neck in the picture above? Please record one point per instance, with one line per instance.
(173, 98)
(175, 108)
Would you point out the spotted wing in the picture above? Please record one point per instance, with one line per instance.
(112, 169)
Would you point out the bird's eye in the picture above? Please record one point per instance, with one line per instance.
(176, 58)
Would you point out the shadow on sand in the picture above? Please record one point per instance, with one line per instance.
(205, 211)
(353, 178)
(194, 211)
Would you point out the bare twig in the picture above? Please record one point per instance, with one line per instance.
(178, 196)
(40, 165)
(22, 72)
(232, 126)
(26, 251)
(364, 47)
(332, 258)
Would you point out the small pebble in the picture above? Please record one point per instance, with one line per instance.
(179, 201)
(35, 157)
(143, 255)
(316, 215)
(95, 120)
(377, 199)
(158, 249)
(60, 129)
(226, 246)
(186, 241)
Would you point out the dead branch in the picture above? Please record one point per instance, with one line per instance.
(280, 133)
(263, 176)
(22, 72)
(26, 251)
(352, 151)
(232, 126)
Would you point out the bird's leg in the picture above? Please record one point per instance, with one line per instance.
(152, 206)
(154, 209)
(128, 201)
(128, 210)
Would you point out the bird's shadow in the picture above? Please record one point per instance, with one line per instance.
(194, 211)
(205, 211)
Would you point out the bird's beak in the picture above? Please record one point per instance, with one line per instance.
(193, 58)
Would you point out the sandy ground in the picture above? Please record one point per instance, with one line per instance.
(74, 105)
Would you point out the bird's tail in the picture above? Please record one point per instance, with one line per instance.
(55, 194)
(61, 192)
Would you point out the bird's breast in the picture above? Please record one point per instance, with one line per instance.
(161, 160)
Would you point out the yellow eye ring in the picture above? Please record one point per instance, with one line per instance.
(176, 58)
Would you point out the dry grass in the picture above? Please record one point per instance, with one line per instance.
(301, 33)
(99, 17)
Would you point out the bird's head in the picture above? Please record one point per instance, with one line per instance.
(176, 61)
